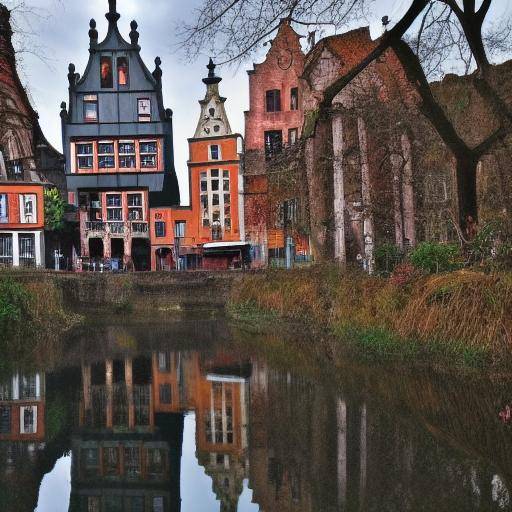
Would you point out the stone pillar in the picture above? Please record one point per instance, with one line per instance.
(128, 377)
(109, 376)
(396, 165)
(39, 248)
(340, 254)
(15, 250)
(368, 229)
(363, 459)
(408, 192)
(341, 419)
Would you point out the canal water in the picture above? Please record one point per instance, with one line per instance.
(207, 417)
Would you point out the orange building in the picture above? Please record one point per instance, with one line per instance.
(21, 224)
(209, 233)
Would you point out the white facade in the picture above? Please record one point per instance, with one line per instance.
(16, 252)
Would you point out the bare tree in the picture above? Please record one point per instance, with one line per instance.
(428, 33)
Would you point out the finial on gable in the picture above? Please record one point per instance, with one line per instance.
(93, 33)
(112, 15)
(212, 78)
(157, 74)
(72, 76)
(134, 35)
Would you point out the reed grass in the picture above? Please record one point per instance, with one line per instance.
(465, 311)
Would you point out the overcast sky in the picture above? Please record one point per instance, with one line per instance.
(64, 34)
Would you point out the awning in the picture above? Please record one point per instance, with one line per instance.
(223, 247)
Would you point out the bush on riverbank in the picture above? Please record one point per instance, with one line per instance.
(460, 311)
(31, 315)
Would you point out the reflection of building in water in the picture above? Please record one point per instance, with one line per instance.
(126, 457)
(22, 440)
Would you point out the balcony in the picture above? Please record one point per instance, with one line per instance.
(96, 226)
(140, 229)
(116, 228)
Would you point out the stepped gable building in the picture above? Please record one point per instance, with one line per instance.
(273, 124)
(210, 232)
(118, 144)
(27, 164)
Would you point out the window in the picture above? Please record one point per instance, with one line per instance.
(144, 109)
(165, 393)
(293, 135)
(28, 420)
(84, 154)
(294, 98)
(215, 200)
(27, 250)
(273, 100)
(28, 387)
(179, 229)
(4, 216)
(214, 152)
(114, 207)
(106, 155)
(5, 250)
(137, 503)
(158, 504)
(15, 170)
(132, 467)
(5, 419)
(164, 362)
(28, 210)
(91, 108)
(127, 154)
(93, 504)
(111, 461)
(273, 143)
(122, 71)
(135, 211)
(160, 229)
(156, 463)
(148, 152)
(107, 81)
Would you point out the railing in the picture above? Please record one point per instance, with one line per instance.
(95, 226)
(6, 261)
(116, 228)
(140, 227)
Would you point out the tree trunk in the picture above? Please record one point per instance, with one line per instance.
(466, 189)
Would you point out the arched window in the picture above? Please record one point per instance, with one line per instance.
(122, 71)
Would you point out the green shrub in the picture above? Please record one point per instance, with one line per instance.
(387, 257)
(14, 305)
(434, 258)
(492, 246)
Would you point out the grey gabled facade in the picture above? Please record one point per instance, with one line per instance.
(118, 142)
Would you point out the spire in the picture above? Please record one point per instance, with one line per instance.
(112, 15)
(212, 79)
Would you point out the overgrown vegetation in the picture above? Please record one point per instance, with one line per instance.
(464, 312)
(31, 316)
(54, 208)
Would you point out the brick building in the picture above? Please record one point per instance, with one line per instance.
(273, 124)
(209, 233)
(27, 165)
(118, 145)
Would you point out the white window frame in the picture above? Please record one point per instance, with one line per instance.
(124, 155)
(34, 419)
(144, 116)
(180, 228)
(210, 152)
(110, 208)
(130, 208)
(4, 208)
(28, 208)
(84, 155)
(91, 99)
(223, 176)
(112, 154)
(146, 153)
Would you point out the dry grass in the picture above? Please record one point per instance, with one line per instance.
(460, 310)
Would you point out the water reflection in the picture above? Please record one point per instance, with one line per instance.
(282, 437)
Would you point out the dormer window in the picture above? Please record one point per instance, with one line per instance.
(91, 108)
(214, 152)
(107, 79)
(122, 71)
